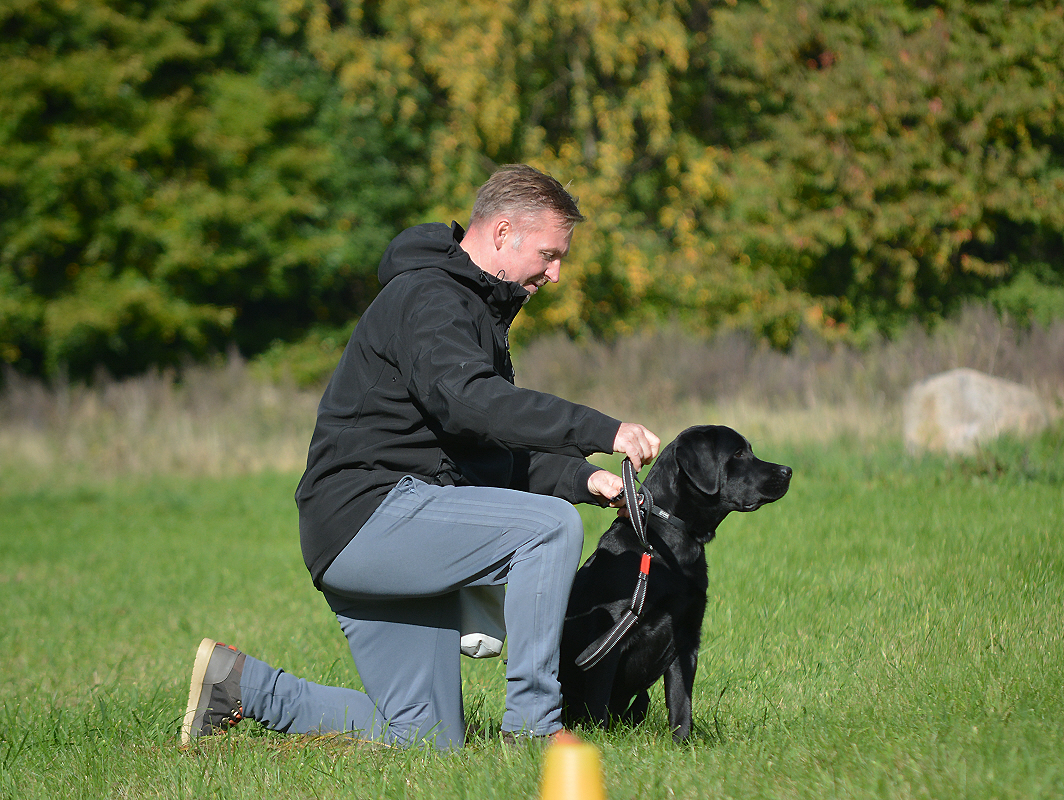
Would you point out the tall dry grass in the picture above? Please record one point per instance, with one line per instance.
(818, 390)
(209, 420)
(226, 419)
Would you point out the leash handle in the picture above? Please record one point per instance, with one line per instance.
(632, 498)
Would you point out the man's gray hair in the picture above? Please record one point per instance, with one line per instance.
(525, 192)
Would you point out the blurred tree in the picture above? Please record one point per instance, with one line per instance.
(903, 156)
(175, 176)
(834, 163)
(592, 92)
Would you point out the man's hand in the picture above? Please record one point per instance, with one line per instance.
(636, 442)
(606, 485)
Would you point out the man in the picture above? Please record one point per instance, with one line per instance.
(429, 471)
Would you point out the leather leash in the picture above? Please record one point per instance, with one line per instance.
(640, 504)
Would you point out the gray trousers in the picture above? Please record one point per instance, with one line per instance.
(394, 590)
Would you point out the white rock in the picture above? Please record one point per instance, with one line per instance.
(957, 410)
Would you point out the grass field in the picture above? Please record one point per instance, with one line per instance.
(891, 628)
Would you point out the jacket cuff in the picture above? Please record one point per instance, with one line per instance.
(580, 492)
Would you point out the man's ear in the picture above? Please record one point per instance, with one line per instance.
(502, 230)
(699, 459)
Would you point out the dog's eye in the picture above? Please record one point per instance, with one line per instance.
(739, 454)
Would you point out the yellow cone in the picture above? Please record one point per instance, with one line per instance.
(571, 771)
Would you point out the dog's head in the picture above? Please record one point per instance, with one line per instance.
(710, 471)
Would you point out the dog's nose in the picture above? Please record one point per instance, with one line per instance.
(785, 472)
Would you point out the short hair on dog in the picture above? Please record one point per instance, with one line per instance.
(707, 472)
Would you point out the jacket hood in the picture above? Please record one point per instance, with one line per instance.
(435, 245)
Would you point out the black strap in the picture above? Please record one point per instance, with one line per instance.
(638, 502)
(665, 516)
(597, 650)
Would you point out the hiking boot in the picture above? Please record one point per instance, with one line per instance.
(214, 697)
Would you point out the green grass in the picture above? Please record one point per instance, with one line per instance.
(891, 628)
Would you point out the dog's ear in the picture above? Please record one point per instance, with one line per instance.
(699, 458)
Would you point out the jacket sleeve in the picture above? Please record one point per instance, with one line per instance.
(455, 380)
(559, 475)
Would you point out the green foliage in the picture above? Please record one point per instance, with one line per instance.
(1038, 459)
(236, 169)
(125, 323)
(308, 363)
(177, 176)
(1034, 295)
(911, 155)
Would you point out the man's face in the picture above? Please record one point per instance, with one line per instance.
(535, 251)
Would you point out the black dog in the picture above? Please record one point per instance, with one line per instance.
(702, 476)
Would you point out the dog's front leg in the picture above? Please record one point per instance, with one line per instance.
(679, 686)
(599, 682)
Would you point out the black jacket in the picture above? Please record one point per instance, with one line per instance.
(426, 388)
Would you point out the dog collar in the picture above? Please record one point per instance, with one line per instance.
(665, 516)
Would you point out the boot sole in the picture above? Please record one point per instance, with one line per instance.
(194, 708)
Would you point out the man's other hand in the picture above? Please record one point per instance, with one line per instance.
(636, 442)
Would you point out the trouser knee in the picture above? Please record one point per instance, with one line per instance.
(565, 531)
(420, 723)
